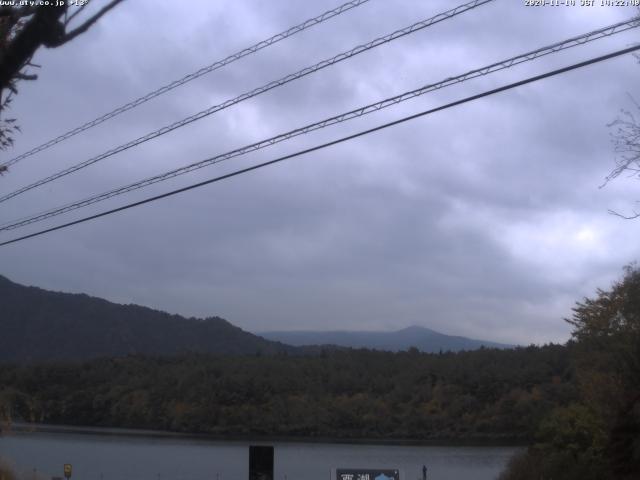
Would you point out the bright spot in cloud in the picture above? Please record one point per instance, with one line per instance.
(586, 236)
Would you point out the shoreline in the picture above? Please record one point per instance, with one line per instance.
(261, 439)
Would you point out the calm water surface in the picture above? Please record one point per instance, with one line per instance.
(113, 457)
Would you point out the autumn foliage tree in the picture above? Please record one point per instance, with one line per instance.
(597, 437)
(607, 356)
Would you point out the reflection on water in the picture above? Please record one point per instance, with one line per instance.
(112, 457)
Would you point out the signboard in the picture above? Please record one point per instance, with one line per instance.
(366, 474)
(67, 470)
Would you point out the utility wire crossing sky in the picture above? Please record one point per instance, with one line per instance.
(416, 27)
(190, 77)
(335, 142)
(508, 63)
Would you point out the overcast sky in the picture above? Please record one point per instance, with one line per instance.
(484, 220)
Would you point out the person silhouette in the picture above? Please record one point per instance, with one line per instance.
(424, 472)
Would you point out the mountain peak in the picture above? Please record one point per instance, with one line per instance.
(416, 329)
(422, 338)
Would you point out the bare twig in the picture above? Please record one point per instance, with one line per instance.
(87, 24)
(626, 217)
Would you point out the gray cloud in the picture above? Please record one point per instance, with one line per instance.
(483, 220)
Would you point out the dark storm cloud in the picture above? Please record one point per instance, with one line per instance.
(484, 220)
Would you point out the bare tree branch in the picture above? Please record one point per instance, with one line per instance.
(23, 30)
(26, 76)
(626, 142)
(629, 217)
(90, 21)
(626, 145)
(41, 29)
(74, 14)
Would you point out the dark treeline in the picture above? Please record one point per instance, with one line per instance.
(483, 394)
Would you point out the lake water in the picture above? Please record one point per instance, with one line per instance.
(116, 457)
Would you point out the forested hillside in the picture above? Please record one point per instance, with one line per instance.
(38, 324)
(484, 394)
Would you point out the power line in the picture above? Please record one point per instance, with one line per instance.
(333, 142)
(257, 91)
(192, 76)
(529, 56)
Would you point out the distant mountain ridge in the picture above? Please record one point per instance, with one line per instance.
(424, 339)
(37, 325)
(41, 325)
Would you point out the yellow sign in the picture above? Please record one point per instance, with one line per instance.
(67, 470)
